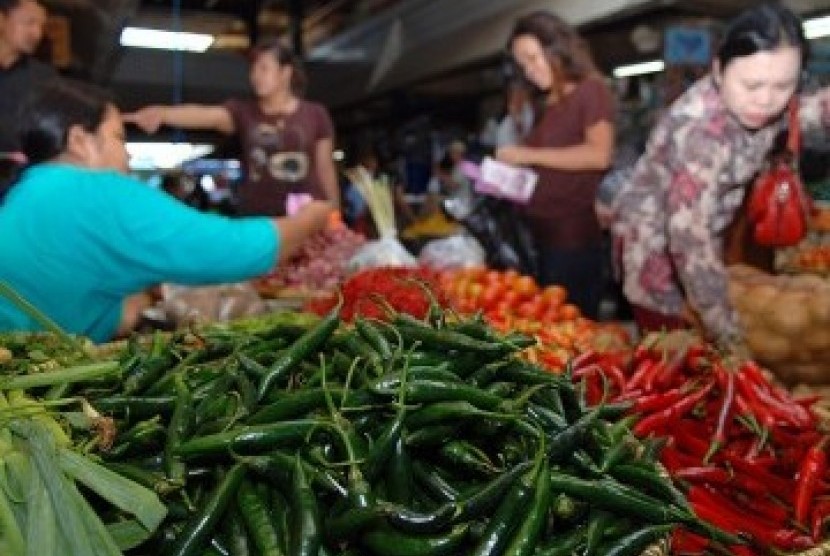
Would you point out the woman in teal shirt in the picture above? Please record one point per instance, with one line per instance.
(82, 241)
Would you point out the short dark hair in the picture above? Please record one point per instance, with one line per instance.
(761, 28)
(53, 110)
(8, 5)
(285, 57)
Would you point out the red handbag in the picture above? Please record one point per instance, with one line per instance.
(779, 208)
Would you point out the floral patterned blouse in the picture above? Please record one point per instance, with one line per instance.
(671, 214)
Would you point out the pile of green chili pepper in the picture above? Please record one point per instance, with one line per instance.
(406, 437)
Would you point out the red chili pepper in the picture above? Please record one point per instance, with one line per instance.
(747, 402)
(658, 401)
(585, 358)
(771, 510)
(788, 412)
(611, 373)
(748, 484)
(637, 379)
(675, 460)
(698, 357)
(740, 520)
(726, 380)
(700, 474)
(818, 517)
(671, 414)
(684, 542)
(807, 402)
(812, 470)
(689, 442)
(782, 488)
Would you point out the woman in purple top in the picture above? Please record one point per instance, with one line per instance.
(672, 212)
(287, 142)
(569, 147)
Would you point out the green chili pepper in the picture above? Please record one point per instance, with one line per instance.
(565, 442)
(506, 519)
(638, 541)
(254, 512)
(196, 535)
(399, 484)
(525, 539)
(374, 338)
(389, 542)
(177, 431)
(429, 479)
(413, 521)
(305, 535)
(468, 457)
(425, 391)
(236, 538)
(249, 438)
(484, 499)
(305, 345)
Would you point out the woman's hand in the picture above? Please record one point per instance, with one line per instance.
(149, 119)
(511, 154)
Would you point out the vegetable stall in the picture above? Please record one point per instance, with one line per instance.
(418, 412)
(409, 410)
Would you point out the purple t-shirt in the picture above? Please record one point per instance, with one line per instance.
(278, 153)
(561, 211)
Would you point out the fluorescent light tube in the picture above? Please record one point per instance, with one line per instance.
(817, 27)
(164, 156)
(639, 69)
(140, 37)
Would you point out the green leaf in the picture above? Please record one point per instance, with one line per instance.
(128, 534)
(42, 530)
(121, 492)
(62, 492)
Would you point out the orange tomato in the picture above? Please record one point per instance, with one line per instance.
(569, 312)
(525, 285)
(554, 294)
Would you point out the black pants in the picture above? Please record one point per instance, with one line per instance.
(580, 271)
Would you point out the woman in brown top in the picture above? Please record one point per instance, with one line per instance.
(671, 214)
(569, 147)
(287, 142)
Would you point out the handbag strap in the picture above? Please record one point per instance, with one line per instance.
(794, 135)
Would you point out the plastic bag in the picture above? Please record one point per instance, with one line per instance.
(457, 251)
(503, 234)
(185, 305)
(501, 180)
(386, 251)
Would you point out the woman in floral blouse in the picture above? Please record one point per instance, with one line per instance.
(685, 190)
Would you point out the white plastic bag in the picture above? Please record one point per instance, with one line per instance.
(386, 251)
(457, 251)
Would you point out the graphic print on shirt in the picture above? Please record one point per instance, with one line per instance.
(276, 152)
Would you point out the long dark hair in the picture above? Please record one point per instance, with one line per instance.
(567, 51)
(284, 57)
(761, 28)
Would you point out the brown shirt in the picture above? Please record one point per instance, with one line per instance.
(279, 154)
(561, 210)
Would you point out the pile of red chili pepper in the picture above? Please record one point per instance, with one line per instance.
(752, 458)
(372, 292)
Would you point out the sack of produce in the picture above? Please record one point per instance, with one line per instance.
(185, 305)
(786, 320)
